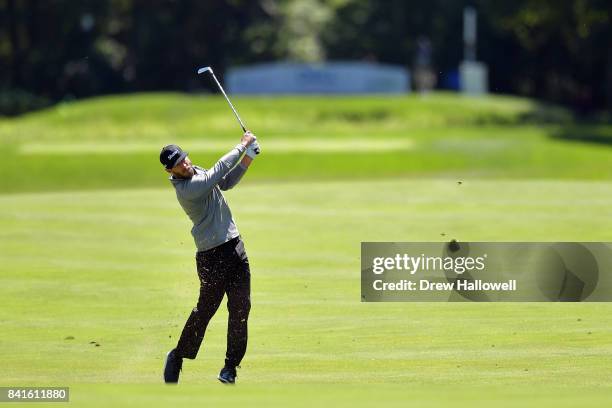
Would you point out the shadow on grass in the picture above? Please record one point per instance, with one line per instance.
(538, 113)
(355, 116)
(586, 133)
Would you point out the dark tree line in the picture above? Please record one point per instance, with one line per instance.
(50, 50)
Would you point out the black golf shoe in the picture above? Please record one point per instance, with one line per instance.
(172, 368)
(227, 375)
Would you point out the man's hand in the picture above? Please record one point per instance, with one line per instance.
(247, 138)
(253, 150)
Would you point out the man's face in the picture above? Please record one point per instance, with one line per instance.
(183, 169)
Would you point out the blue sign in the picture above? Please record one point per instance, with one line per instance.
(327, 78)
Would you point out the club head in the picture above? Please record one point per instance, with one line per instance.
(204, 69)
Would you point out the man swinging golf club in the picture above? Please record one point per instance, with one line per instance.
(221, 260)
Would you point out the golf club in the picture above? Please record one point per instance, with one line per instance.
(209, 69)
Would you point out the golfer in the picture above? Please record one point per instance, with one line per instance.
(222, 263)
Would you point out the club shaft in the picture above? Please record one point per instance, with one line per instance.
(228, 101)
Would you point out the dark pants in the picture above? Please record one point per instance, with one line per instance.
(223, 269)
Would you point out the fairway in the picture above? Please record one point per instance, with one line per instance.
(98, 272)
(114, 267)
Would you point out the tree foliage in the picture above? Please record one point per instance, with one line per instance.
(55, 49)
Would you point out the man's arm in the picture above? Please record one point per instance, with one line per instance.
(201, 184)
(235, 175)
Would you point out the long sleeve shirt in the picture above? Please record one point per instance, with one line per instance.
(202, 200)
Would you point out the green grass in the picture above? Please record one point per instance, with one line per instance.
(97, 143)
(95, 247)
(116, 267)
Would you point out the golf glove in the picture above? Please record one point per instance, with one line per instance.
(253, 150)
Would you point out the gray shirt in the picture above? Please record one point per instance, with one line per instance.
(201, 198)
